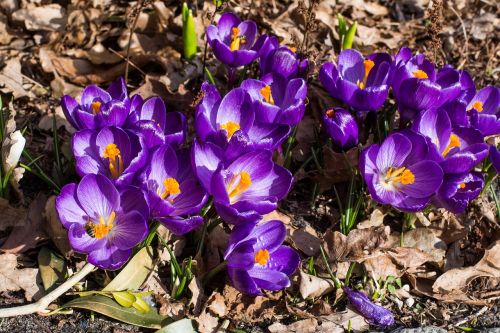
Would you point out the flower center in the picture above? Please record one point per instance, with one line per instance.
(478, 106)
(420, 74)
(101, 229)
(171, 188)
(330, 113)
(454, 142)
(369, 64)
(230, 128)
(238, 184)
(236, 39)
(293, 49)
(96, 107)
(112, 153)
(401, 175)
(461, 185)
(267, 94)
(261, 257)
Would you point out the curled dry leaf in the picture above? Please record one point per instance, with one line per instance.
(14, 279)
(449, 228)
(312, 286)
(338, 167)
(54, 228)
(455, 280)
(11, 79)
(217, 305)
(198, 296)
(28, 232)
(376, 219)
(10, 215)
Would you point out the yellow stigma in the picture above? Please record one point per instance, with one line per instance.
(330, 113)
(454, 142)
(261, 257)
(171, 188)
(478, 106)
(112, 153)
(102, 229)
(420, 74)
(461, 185)
(293, 49)
(230, 128)
(96, 107)
(369, 64)
(401, 175)
(236, 39)
(267, 94)
(238, 184)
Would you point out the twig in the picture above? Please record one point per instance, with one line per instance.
(127, 60)
(480, 312)
(42, 304)
(136, 13)
(466, 44)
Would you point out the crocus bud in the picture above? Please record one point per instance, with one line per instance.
(373, 313)
(341, 127)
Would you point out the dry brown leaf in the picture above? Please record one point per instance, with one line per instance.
(10, 215)
(338, 167)
(454, 257)
(302, 326)
(14, 279)
(312, 286)
(449, 227)
(381, 266)
(425, 240)
(376, 219)
(207, 323)
(357, 243)
(217, 305)
(29, 231)
(48, 17)
(54, 228)
(5, 37)
(347, 319)
(455, 280)
(11, 79)
(198, 296)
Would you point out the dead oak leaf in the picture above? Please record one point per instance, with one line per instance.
(312, 286)
(14, 279)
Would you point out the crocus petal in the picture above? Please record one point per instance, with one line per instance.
(206, 158)
(109, 257)
(495, 158)
(81, 241)
(97, 196)
(132, 199)
(428, 178)
(242, 281)
(180, 226)
(69, 105)
(284, 259)
(68, 209)
(128, 230)
(268, 279)
(92, 93)
(393, 151)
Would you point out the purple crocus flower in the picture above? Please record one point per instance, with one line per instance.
(341, 127)
(230, 123)
(232, 40)
(277, 100)
(458, 190)
(98, 108)
(399, 172)
(417, 87)
(102, 221)
(456, 149)
(279, 59)
(245, 189)
(484, 110)
(256, 258)
(360, 83)
(375, 314)
(172, 189)
(112, 152)
(156, 125)
(495, 158)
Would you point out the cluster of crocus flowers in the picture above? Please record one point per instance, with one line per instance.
(237, 134)
(127, 152)
(435, 155)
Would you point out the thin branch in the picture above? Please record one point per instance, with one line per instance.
(136, 14)
(42, 304)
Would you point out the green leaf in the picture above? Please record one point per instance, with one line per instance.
(124, 298)
(342, 26)
(349, 36)
(391, 289)
(398, 282)
(135, 272)
(52, 268)
(180, 326)
(188, 33)
(108, 307)
(140, 305)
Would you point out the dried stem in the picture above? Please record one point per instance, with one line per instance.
(135, 14)
(43, 303)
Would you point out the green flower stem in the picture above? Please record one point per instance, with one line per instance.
(216, 270)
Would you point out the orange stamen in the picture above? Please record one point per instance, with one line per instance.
(261, 257)
(96, 107)
(112, 153)
(478, 106)
(330, 113)
(171, 188)
(454, 142)
(420, 74)
(267, 94)
(230, 127)
(239, 184)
